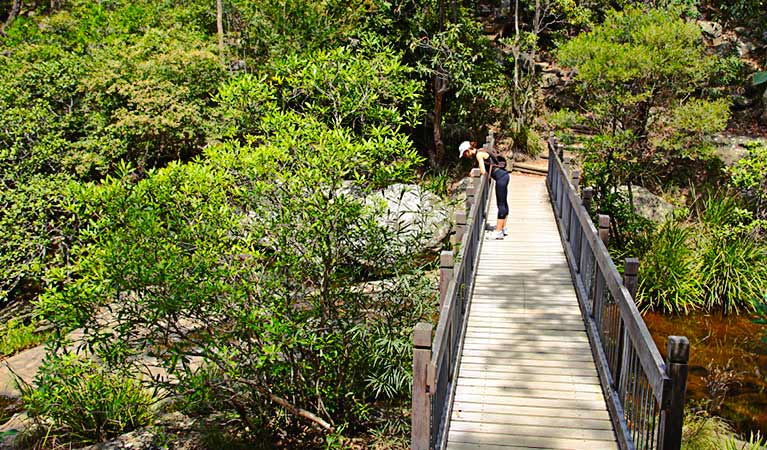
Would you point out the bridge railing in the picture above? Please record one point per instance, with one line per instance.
(434, 360)
(644, 393)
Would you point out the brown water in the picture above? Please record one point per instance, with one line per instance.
(728, 365)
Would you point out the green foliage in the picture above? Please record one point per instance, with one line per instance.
(755, 442)
(86, 400)
(702, 431)
(17, 336)
(749, 175)
(733, 270)
(639, 73)
(718, 263)
(256, 258)
(759, 78)
(669, 280)
(34, 233)
(359, 89)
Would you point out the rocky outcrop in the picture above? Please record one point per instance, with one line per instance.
(648, 205)
(413, 213)
(731, 148)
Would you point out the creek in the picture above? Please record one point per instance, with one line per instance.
(728, 365)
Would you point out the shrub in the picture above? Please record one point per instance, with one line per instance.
(702, 431)
(17, 336)
(732, 270)
(755, 442)
(668, 280)
(84, 399)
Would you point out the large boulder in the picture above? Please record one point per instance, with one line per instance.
(413, 213)
(649, 205)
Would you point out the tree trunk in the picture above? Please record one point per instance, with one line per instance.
(220, 26)
(437, 155)
(15, 8)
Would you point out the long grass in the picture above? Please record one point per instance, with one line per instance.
(668, 280)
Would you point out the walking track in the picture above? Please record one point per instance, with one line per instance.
(527, 378)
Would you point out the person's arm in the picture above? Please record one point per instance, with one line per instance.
(481, 157)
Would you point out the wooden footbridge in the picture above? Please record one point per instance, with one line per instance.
(539, 344)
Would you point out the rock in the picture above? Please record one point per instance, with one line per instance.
(711, 30)
(731, 148)
(742, 102)
(724, 49)
(744, 46)
(549, 80)
(413, 213)
(649, 205)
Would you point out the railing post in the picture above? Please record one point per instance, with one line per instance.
(460, 226)
(630, 275)
(576, 179)
(630, 278)
(421, 414)
(471, 192)
(670, 433)
(604, 228)
(446, 262)
(587, 196)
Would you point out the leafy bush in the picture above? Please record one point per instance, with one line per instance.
(266, 262)
(732, 270)
(17, 336)
(668, 280)
(702, 431)
(86, 400)
(749, 175)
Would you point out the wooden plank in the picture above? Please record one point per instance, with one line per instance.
(511, 370)
(528, 336)
(531, 441)
(545, 348)
(452, 445)
(530, 385)
(541, 430)
(483, 391)
(522, 377)
(502, 403)
(553, 418)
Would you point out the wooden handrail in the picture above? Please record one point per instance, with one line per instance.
(645, 397)
(434, 366)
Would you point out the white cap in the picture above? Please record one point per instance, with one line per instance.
(465, 145)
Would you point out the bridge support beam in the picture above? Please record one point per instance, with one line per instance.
(420, 417)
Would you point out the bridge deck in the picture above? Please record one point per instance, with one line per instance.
(527, 378)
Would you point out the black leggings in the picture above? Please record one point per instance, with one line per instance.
(501, 178)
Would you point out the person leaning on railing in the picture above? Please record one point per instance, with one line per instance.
(499, 174)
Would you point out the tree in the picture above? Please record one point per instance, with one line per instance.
(259, 262)
(640, 73)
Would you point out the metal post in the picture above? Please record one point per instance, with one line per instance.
(421, 414)
(670, 433)
(446, 262)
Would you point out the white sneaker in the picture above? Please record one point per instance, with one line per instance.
(499, 234)
(505, 231)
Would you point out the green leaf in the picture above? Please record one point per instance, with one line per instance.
(759, 78)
